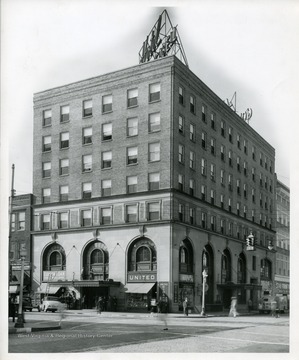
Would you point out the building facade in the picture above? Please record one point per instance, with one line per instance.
(143, 178)
(282, 275)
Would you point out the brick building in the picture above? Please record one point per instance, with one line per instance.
(144, 177)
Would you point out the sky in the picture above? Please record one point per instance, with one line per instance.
(249, 47)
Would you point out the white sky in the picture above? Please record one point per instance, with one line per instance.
(250, 48)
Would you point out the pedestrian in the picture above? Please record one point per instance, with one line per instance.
(99, 305)
(185, 306)
(233, 307)
(249, 305)
(12, 309)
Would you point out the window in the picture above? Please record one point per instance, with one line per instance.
(204, 167)
(245, 211)
(192, 132)
(132, 153)
(230, 182)
(154, 181)
(222, 128)
(86, 163)
(132, 97)
(252, 215)
(131, 184)
(47, 117)
(181, 95)
(213, 142)
(239, 141)
(245, 190)
(192, 160)
(106, 159)
(253, 174)
(86, 191)
(63, 220)
(106, 103)
(253, 153)
(238, 187)
(230, 158)
(213, 172)
(181, 124)
(64, 167)
(181, 182)
(131, 213)
(106, 216)
(213, 120)
(222, 226)
(203, 192)
(191, 187)
(261, 159)
(271, 167)
(154, 92)
(45, 221)
(222, 177)
(154, 122)
(213, 223)
(238, 164)
(86, 217)
(132, 126)
(192, 104)
(253, 195)
(191, 216)
(181, 154)
(13, 222)
(107, 132)
(203, 220)
(261, 180)
(230, 134)
(87, 136)
(46, 169)
(222, 152)
(229, 204)
(154, 211)
(181, 212)
(64, 113)
(46, 195)
(64, 140)
(222, 201)
(212, 196)
(203, 113)
(203, 140)
(64, 193)
(87, 108)
(46, 143)
(245, 168)
(106, 187)
(154, 152)
(238, 209)
(245, 146)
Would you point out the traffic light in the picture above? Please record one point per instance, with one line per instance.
(250, 242)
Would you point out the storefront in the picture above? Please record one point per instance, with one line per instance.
(141, 297)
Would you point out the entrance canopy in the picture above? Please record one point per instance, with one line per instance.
(139, 288)
(52, 289)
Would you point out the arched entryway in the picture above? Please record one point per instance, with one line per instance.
(208, 264)
(186, 273)
(226, 277)
(241, 278)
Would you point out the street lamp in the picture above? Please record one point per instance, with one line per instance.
(20, 320)
(204, 281)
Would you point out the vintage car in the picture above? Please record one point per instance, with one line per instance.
(51, 303)
(27, 304)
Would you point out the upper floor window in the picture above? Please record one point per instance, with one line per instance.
(181, 182)
(86, 163)
(107, 132)
(86, 217)
(154, 92)
(131, 213)
(222, 128)
(64, 140)
(230, 158)
(64, 167)
(153, 211)
(192, 160)
(154, 181)
(203, 192)
(222, 152)
(107, 103)
(46, 169)
(230, 134)
(63, 221)
(181, 95)
(46, 195)
(87, 136)
(203, 139)
(87, 108)
(192, 132)
(245, 145)
(45, 221)
(131, 184)
(86, 190)
(238, 141)
(181, 212)
(261, 159)
(213, 172)
(46, 143)
(64, 193)
(132, 126)
(106, 159)
(203, 167)
(191, 187)
(132, 98)
(154, 122)
(106, 187)
(181, 153)
(106, 216)
(132, 155)
(64, 113)
(192, 104)
(203, 113)
(213, 121)
(253, 153)
(154, 151)
(47, 117)
(213, 142)
(181, 124)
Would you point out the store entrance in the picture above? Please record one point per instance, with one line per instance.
(91, 295)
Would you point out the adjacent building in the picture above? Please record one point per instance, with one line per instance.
(143, 178)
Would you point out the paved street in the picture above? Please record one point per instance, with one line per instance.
(125, 333)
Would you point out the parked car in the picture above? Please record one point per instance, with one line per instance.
(51, 303)
(27, 304)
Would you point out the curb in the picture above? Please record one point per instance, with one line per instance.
(32, 329)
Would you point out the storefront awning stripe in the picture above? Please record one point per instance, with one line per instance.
(138, 288)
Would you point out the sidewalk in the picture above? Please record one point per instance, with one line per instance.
(43, 325)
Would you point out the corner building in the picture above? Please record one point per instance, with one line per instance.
(144, 178)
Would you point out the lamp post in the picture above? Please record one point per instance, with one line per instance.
(20, 320)
(204, 281)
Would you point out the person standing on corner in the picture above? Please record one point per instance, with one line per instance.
(233, 307)
(185, 306)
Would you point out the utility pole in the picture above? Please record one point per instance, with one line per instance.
(10, 219)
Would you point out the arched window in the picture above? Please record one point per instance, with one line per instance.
(186, 257)
(142, 255)
(97, 257)
(183, 255)
(54, 258)
(225, 267)
(95, 261)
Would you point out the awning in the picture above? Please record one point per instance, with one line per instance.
(51, 289)
(13, 289)
(138, 288)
